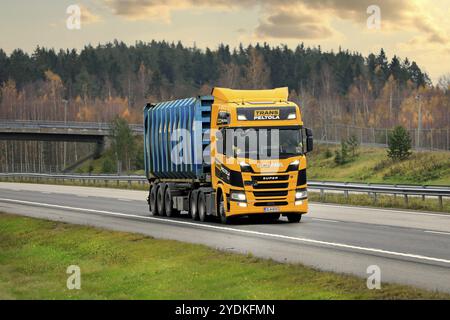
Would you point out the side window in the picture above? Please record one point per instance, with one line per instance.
(223, 118)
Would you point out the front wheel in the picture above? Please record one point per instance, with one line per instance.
(222, 214)
(294, 218)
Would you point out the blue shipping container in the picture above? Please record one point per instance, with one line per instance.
(176, 138)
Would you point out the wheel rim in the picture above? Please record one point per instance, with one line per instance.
(193, 207)
(201, 207)
(223, 216)
(153, 203)
(168, 203)
(160, 201)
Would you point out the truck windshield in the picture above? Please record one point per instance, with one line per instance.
(261, 143)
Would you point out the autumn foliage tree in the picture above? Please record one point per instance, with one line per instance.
(123, 144)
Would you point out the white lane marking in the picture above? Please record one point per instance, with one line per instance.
(206, 226)
(325, 220)
(385, 210)
(122, 199)
(437, 232)
(46, 192)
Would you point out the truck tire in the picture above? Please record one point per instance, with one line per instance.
(222, 214)
(160, 199)
(168, 203)
(152, 200)
(193, 209)
(294, 218)
(201, 207)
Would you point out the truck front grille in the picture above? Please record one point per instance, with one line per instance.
(271, 186)
(270, 193)
(271, 178)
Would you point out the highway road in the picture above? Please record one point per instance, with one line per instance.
(409, 247)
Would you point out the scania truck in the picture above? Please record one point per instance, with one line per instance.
(233, 153)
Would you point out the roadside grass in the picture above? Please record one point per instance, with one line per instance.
(382, 201)
(372, 165)
(34, 256)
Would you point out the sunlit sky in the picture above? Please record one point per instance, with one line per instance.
(419, 30)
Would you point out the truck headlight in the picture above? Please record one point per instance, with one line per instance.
(301, 194)
(238, 196)
(245, 167)
(293, 166)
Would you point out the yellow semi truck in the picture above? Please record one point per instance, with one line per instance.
(234, 153)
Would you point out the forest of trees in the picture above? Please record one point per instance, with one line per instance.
(114, 79)
(101, 82)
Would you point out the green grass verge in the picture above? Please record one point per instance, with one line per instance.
(34, 256)
(383, 201)
(372, 165)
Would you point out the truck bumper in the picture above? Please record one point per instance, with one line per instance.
(237, 208)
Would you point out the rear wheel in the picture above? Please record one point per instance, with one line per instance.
(193, 209)
(168, 202)
(152, 200)
(160, 200)
(294, 218)
(201, 207)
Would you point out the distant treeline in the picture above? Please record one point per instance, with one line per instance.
(99, 82)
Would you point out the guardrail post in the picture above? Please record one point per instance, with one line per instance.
(322, 195)
(346, 195)
(406, 199)
(441, 203)
(374, 198)
(129, 184)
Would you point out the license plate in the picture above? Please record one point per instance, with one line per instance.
(271, 209)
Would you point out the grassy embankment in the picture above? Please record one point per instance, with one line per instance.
(34, 256)
(372, 166)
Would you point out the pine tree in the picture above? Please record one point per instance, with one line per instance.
(399, 144)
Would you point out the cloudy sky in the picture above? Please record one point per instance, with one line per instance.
(417, 29)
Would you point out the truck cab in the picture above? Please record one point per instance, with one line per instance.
(258, 154)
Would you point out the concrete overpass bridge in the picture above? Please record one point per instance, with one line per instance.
(60, 131)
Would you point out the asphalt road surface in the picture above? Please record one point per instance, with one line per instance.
(409, 247)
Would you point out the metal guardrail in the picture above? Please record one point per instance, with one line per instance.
(101, 126)
(81, 178)
(372, 189)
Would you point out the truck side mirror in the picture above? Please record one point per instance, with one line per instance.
(309, 140)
